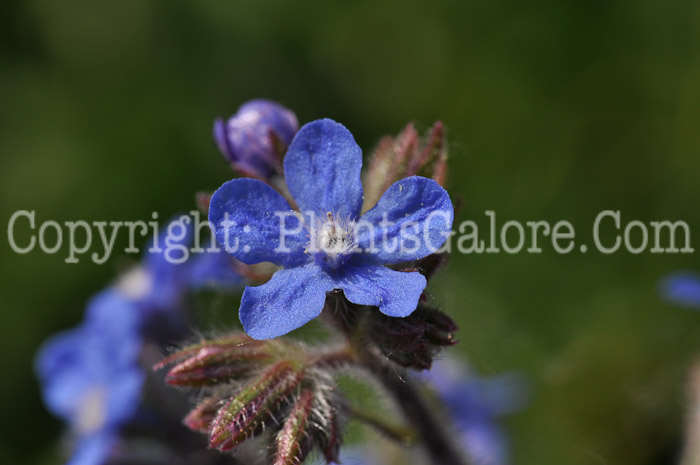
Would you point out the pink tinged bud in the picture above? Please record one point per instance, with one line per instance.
(203, 199)
(246, 413)
(313, 420)
(215, 365)
(380, 163)
(406, 156)
(294, 440)
(403, 156)
(389, 163)
(433, 159)
(330, 438)
(233, 341)
(202, 416)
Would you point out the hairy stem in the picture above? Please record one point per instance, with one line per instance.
(438, 442)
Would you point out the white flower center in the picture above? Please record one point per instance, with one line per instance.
(92, 411)
(135, 283)
(333, 237)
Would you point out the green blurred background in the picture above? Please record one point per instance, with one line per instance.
(555, 110)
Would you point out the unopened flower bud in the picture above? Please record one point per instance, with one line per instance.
(329, 437)
(312, 420)
(214, 365)
(203, 415)
(294, 442)
(427, 266)
(414, 341)
(255, 138)
(202, 199)
(433, 158)
(216, 361)
(403, 156)
(254, 405)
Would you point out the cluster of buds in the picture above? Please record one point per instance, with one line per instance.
(275, 388)
(284, 392)
(406, 155)
(414, 341)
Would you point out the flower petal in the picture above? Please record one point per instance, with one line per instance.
(57, 367)
(101, 354)
(396, 293)
(322, 168)
(112, 326)
(682, 289)
(293, 297)
(124, 396)
(214, 270)
(412, 220)
(485, 443)
(246, 216)
(94, 449)
(161, 282)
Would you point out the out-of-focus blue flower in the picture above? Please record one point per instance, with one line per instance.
(475, 404)
(355, 456)
(90, 376)
(329, 246)
(682, 289)
(248, 139)
(95, 449)
(169, 270)
(159, 283)
(214, 269)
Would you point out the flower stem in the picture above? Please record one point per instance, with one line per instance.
(439, 444)
(399, 433)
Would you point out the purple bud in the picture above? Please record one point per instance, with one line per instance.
(255, 138)
(427, 266)
(216, 361)
(215, 365)
(414, 341)
(232, 341)
(246, 413)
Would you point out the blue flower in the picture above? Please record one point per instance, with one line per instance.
(158, 284)
(248, 139)
(95, 449)
(682, 289)
(90, 375)
(475, 404)
(168, 272)
(328, 245)
(214, 269)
